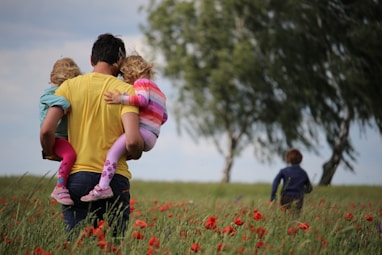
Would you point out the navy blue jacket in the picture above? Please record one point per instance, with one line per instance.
(295, 182)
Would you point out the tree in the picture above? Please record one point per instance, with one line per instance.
(267, 73)
(218, 71)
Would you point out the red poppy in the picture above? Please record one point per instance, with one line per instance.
(238, 221)
(369, 217)
(211, 222)
(102, 244)
(259, 244)
(138, 235)
(98, 232)
(257, 216)
(154, 242)
(304, 226)
(292, 231)
(229, 230)
(140, 224)
(220, 247)
(349, 216)
(195, 247)
(261, 231)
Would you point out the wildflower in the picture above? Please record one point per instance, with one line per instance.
(349, 216)
(369, 217)
(238, 221)
(102, 224)
(133, 201)
(140, 224)
(4, 200)
(292, 231)
(259, 244)
(261, 231)
(154, 242)
(211, 222)
(220, 247)
(38, 251)
(229, 230)
(138, 235)
(102, 244)
(304, 226)
(98, 232)
(257, 216)
(195, 247)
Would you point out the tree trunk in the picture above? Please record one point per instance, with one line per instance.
(227, 169)
(229, 161)
(330, 166)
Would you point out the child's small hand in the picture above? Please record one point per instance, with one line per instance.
(112, 98)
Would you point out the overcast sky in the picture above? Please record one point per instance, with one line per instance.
(34, 34)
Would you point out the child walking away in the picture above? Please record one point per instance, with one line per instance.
(295, 183)
(152, 115)
(63, 69)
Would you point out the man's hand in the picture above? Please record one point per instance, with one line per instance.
(112, 98)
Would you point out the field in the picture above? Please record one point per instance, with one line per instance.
(197, 218)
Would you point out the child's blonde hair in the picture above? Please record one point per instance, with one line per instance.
(63, 69)
(135, 67)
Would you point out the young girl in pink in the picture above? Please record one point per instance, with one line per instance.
(63, 69)
(152, 114)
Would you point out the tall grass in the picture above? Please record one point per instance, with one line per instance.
(202, 218)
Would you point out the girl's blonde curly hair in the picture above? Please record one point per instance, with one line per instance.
(63, 69)
(135, 67)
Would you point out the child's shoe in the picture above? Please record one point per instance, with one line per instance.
(97, 193)
(62, 196)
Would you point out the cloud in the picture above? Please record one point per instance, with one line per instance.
(36, 33)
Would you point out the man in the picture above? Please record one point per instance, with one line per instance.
(93, 127)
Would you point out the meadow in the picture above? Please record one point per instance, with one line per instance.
(197, 218)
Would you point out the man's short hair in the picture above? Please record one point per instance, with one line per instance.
(108, 48)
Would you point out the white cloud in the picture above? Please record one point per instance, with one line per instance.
(35, 35)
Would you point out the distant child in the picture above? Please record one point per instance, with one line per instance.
(63, 69)
(152, 114)
(295, 182)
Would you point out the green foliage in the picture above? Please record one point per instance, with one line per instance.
(335, 220)
(271, 74)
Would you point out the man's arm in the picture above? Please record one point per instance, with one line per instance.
(134, 141)
(48, 130)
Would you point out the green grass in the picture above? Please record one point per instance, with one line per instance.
(176, 214)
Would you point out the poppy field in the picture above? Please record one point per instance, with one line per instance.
(196, 218)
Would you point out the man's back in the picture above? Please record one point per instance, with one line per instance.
(93, 124)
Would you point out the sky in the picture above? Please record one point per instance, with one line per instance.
(34, 34)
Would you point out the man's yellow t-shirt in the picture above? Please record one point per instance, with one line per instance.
(94, 125)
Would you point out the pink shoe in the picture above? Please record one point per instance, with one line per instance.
(62, 196)
(97, 193)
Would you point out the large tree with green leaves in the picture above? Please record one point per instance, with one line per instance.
(264, 73)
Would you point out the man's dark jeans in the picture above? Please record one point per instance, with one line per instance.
(115, 210)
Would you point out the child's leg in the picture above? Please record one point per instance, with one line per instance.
(110, 166)
(63, 149)
(149, 138)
